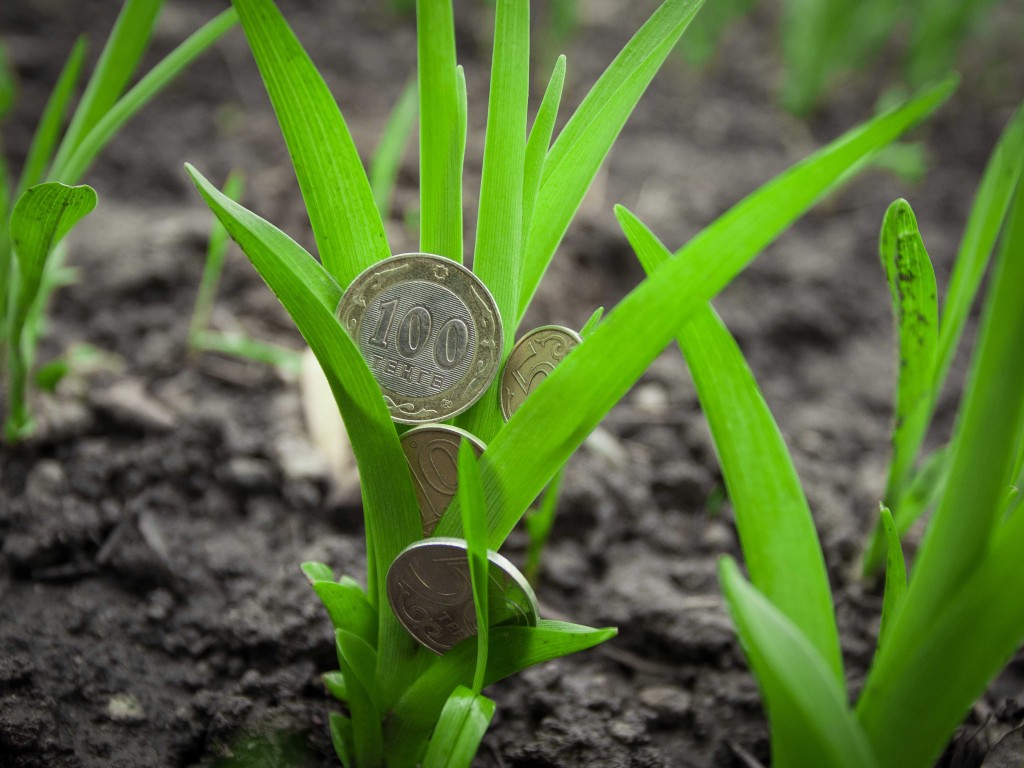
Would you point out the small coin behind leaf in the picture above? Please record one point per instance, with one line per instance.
(430, 591)
(532, 358)
(433, 455)
(429, 331)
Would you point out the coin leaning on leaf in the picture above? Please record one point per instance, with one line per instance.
(432, 451)
(532, 358)
(430, 591)
(430, 332)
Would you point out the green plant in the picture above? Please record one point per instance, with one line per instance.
(44, 204)
(403, 704)
(945, 635)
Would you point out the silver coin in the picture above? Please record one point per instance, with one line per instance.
(430, 332)
(433, 455)
(430, 591)
(532, 358)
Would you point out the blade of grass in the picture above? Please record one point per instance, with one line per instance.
(120, 56)
(367, 733)
(8, 88)
(41, 151)
(349, 609)
(310, 295)
(895, 575)
(538, 143)
(959, 538)
(587, 138)
(512, 650)
(74, 166)
(538, 527)
(42, 216)
(237, 345)
(800, 689)
(342, 737)
(497, 256)
(387, 158)
(216, 250)
(441, 140)
(780, 544)
(915, 309)
(346, 223)
(474, 523)
(460, 729)
(543, 433)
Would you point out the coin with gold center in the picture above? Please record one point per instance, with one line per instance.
(433, 455)
(532, 358)
(430, 332)
(430, 591)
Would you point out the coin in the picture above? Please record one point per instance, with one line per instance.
(430, 591)
(433, 455)
(532, 358)
(430, 332)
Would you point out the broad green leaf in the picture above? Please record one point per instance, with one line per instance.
(780, 544)
(539, 142)
(587, 138)
(48, 131)
(342, 738)
(962, 542)
(127, 42)
(349, 609)
(512, 649)
(915, 309)
(497, 256)
(387, 158)
(802, 696)
(895, 575)
(460, 729)
(991, 201)
(442, 141)
(367, 733)
(71, 168)
(474, 524)
(347, 226)
(310, 295)
(543, 433)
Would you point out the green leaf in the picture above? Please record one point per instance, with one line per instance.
(539, 142)
(343, 739)
(71, 168)
(335, 684)
(895, 575)
(802, 696)
(512, 650)
(127, 42)
(497, 257)
(357, 664)
(349, 609)
(460, 729)
(915, 308)
(357, 656)
(780, 544)
(387, 158)
(991, 202)
(347, 226)
(588, 136)
(959, 542)
(310, 295)
(48, 130)
(474, 523)
(239, 345)
(442, 136)
(539, 524)
(543, 433)
(8, 87)
(314, 571)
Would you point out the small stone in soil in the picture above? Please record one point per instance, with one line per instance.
(125, 708)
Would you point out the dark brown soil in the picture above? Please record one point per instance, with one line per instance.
(152, 612)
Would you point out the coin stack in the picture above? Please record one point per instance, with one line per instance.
(431, 334)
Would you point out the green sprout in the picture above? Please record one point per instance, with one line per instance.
(948, 632)
(404, 706)
(46, 202)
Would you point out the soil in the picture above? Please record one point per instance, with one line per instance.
(152, 612)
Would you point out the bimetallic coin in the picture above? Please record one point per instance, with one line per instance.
(430, 332)
(433, 455)
(532, 358)
(430, 591)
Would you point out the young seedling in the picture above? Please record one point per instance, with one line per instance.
(944, 635)
(405, 705)
(46, 203)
